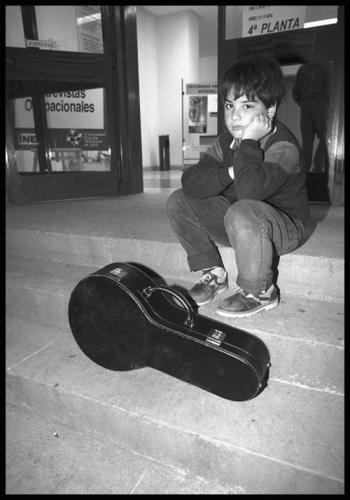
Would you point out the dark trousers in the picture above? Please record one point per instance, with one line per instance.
(254, 229)
(313, 121)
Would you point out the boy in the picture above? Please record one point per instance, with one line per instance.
(247, 192)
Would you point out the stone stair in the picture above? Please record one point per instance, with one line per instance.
(287, 440)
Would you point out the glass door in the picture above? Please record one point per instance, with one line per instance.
(67, 103)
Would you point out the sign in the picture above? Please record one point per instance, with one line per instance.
(268, 19)
(25, 139)
(75, 119)
(201, 88)
(84, 139)
(72, 109)
(42, 44)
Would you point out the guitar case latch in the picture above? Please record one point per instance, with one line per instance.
(215, 337)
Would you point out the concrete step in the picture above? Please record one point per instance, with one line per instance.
(288, 440)
(305, 337)
(315, 277)
(135, 228)
(291, 435)
(45, 457)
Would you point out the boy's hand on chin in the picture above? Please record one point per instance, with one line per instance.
(260, 126)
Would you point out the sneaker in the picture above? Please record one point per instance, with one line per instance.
(242, 304)
(208, 286)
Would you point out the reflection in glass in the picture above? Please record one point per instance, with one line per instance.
(311, 92)
(14, 27)
(73, 28)
(78, 160)
(77, 132)
(311, 135)
(27, 160)
(77, 129)
(26, 153)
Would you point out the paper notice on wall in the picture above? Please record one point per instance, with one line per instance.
(268, 19)
(42, 44)
(201, 88)
(212, 103)
(89, 26)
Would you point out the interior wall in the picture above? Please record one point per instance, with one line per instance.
(208, 69)
(148, 85)
(178, 58)
(168, 52)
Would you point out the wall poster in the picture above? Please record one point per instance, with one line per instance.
(199, 119)
(197, 114)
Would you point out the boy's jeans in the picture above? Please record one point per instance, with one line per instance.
(254, 229)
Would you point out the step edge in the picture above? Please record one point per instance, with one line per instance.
(211, 441)
(126, 240)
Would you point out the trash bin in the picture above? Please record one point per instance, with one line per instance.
(164, 163)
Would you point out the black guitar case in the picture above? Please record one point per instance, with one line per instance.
(124, 317)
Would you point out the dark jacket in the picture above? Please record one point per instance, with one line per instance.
(312, 83)
(266, 170)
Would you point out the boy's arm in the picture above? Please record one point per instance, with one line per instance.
(209, 176)
(259, 176)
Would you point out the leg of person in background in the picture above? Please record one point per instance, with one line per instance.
(307, 135)
(320, 124)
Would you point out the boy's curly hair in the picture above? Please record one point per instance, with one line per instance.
(255, 76)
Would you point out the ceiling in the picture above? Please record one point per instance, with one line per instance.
(208, 23)
(206, 12)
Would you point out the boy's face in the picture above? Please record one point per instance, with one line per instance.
(240, 112)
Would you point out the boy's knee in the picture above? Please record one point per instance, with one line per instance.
(175, 201)
(241, 213)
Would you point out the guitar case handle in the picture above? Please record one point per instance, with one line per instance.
(189, 322)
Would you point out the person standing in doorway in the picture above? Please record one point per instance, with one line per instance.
(311, 93)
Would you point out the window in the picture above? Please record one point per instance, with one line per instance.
(78, 138)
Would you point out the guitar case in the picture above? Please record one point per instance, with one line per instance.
(124, 317)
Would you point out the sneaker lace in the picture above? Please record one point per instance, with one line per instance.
(206, 278)
(249, 295)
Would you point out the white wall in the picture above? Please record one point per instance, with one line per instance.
(174, 39)
(208, 69)
(148, 85)
(178, 58)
